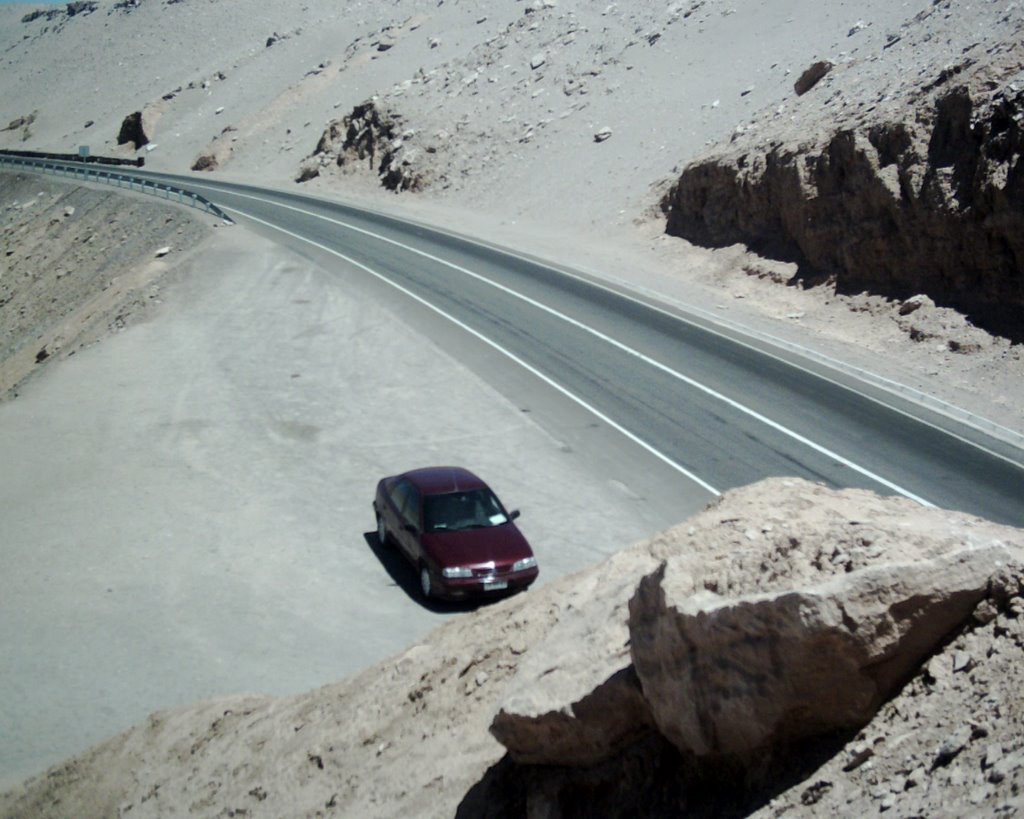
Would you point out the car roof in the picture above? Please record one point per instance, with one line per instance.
(437, 480)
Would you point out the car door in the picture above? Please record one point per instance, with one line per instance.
(391, 511)
(405, 527)
(411, 524)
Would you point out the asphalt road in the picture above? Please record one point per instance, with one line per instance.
(717, 409)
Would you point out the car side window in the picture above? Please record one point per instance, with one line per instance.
(411, 508)
(399, 495)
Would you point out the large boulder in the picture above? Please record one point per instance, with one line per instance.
(809, 622)
(784, 610)
(734, 676)
(575, 699)
(137, 128)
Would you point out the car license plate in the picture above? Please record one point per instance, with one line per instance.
(495, 585)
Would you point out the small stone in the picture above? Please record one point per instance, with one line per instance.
(537, 61)
(993, 753)
(951, 747)
(985, 612)
(962, 661)
(978, 795)
(860, 754)
(480, 678)
(603, 134)
(916, 778)
(912, 304)
(936, 669)
(812, 76)
(162, 252)
(1004, 767)
(887, 803)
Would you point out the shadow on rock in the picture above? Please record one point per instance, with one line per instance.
(652, 780)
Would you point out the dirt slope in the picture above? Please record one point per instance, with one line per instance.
(79, 263)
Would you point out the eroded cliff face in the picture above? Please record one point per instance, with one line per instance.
(929, 203)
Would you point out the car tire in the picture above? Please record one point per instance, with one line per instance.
(382, 531)
(426, 584)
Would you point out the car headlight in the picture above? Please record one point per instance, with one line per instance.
(457, 571)
(525, 563)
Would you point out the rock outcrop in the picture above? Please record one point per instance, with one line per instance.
(76, 7)
(373, 139)
(762, 633)
(930, 202)
(576, 699)
(739, 676)
(133, 131)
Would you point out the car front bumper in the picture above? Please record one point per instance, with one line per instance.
(456, 588)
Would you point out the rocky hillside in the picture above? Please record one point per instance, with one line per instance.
(919, 190)
(790, 650)
(79, 263)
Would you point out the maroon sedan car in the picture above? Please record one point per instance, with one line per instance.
(454, 530)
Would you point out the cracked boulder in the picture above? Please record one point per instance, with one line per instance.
(575, 699)
(731, 670)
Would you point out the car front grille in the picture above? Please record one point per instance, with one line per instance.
(489, 571)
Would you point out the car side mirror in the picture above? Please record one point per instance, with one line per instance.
(513, 514)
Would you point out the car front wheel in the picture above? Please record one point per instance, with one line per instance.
(425, 583)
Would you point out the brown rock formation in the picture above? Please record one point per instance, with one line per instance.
(932, 204)
(369, 138)
(132, 131)
(576, 699)
(765, 639)
(737, 676)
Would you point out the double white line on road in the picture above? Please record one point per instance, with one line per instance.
(575, 323)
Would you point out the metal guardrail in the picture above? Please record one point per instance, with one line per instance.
(92, 173)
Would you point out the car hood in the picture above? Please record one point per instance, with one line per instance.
(503, 544)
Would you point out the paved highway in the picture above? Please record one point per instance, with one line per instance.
(718, 409)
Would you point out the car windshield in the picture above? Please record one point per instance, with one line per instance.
(475, 509)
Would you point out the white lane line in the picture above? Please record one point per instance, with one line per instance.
(607, 339)
(508, 353)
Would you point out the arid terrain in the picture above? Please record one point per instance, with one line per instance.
(843, 179)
